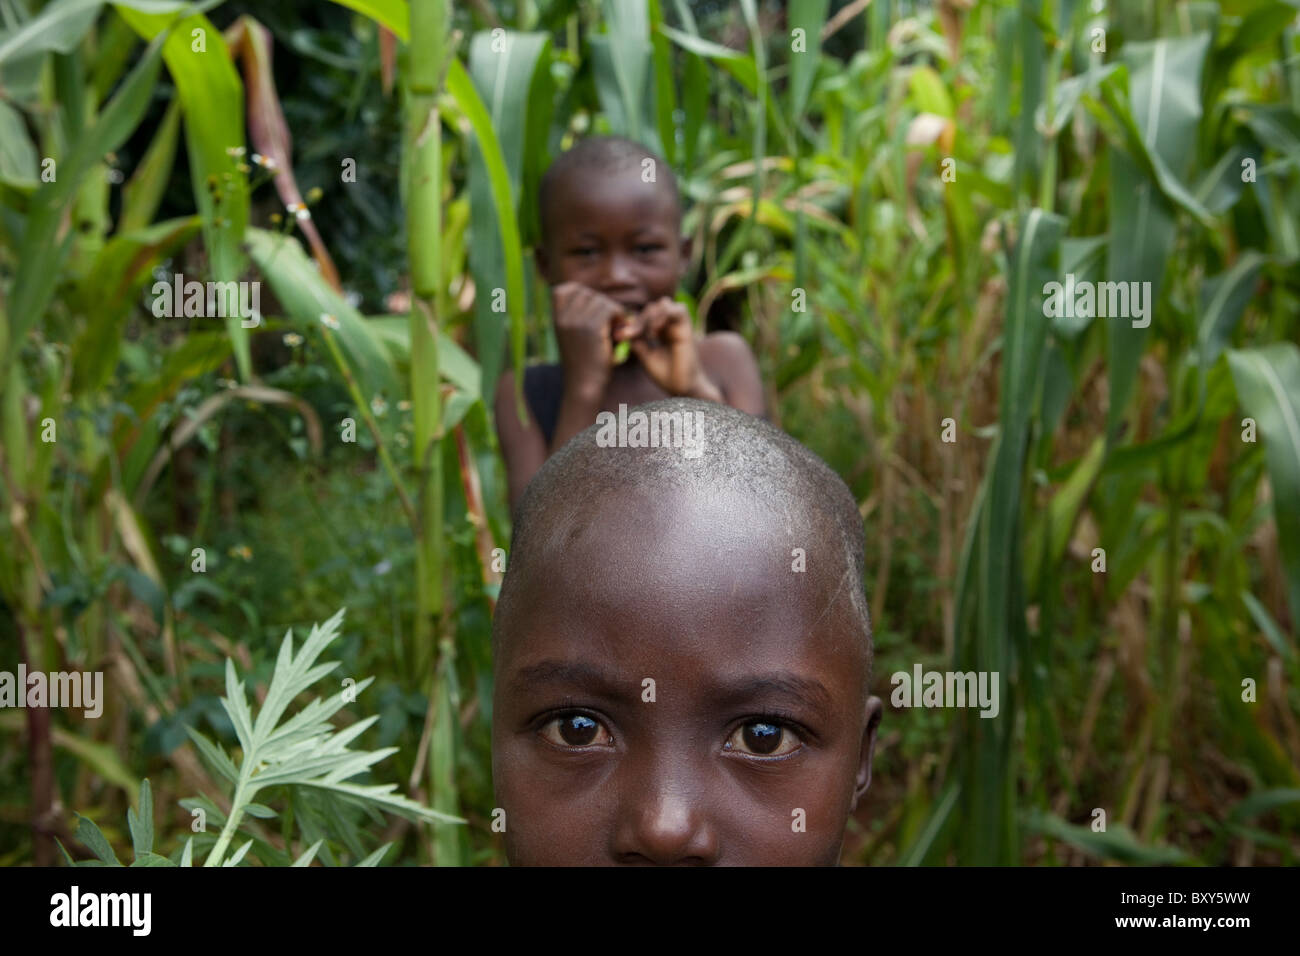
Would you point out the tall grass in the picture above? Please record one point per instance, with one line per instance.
(918, 171)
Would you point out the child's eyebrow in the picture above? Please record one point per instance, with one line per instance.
(807, 691)
(567, 672)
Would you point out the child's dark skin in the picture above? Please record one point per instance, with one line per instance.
(613, 259)
(695, 591)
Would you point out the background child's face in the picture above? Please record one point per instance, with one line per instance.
(617, 235)
(756, 743)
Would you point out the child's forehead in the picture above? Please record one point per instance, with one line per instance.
(682, 562)
(604, 192)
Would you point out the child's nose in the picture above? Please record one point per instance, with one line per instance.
(618, 272)
(665, 823)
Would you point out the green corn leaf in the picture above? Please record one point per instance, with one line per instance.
(739, 65)
(461, 87)
(808, 16)
(1163, 88)
(511, 73)
(143, 192)
(18, 160)
(42, 252)
(60, 26)
(393, 14)
(625, 55)
(306, 296)
(1268, 386)
(212, 100)
(1223, 299)
(1117, 843)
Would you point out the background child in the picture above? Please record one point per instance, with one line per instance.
(682, 654)
(613, 254)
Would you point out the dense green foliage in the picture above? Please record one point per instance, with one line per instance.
(879, 195)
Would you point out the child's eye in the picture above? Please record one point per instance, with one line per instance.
(649, 248)
(577, 730)
(585, 251)
(763, 738)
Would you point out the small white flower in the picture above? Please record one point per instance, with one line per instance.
(404, 405)
(298, 210)
(235, 151)
(329, 321)
(378, 405)
(227, 383)
(292, 339)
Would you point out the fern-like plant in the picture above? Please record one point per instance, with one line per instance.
(305, 751)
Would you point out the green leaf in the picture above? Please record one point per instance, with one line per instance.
(237, 707)
(141, 824)
(1117, 843)
(1223, 299)
(306, 750)
(306, 296)
(1261, 802)
(93, 838)
(377, 857)
(461, 87)
(1164, 93)
(41, 253)
(742, 67)
(212, 99)
(1267, 626)
(214, 755)
(513, 84)
(18, 160)
(1268, 387)
(809, 16)
(238, 854)
(309, 855)
(394, 14)
(143, 192)
(627, 53)
(995, 561)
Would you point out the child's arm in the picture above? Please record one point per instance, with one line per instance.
(522, 445)
(585, 333)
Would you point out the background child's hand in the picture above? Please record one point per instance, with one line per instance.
(665, 345)
(585, 323)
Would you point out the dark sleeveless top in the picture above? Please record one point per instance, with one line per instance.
(544, 390)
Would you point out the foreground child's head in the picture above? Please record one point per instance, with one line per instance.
(611, 219)
(682, 652)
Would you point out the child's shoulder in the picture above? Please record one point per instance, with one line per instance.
(727, 348)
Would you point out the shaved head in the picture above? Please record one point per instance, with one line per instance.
(600, 156)
(744, 458)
